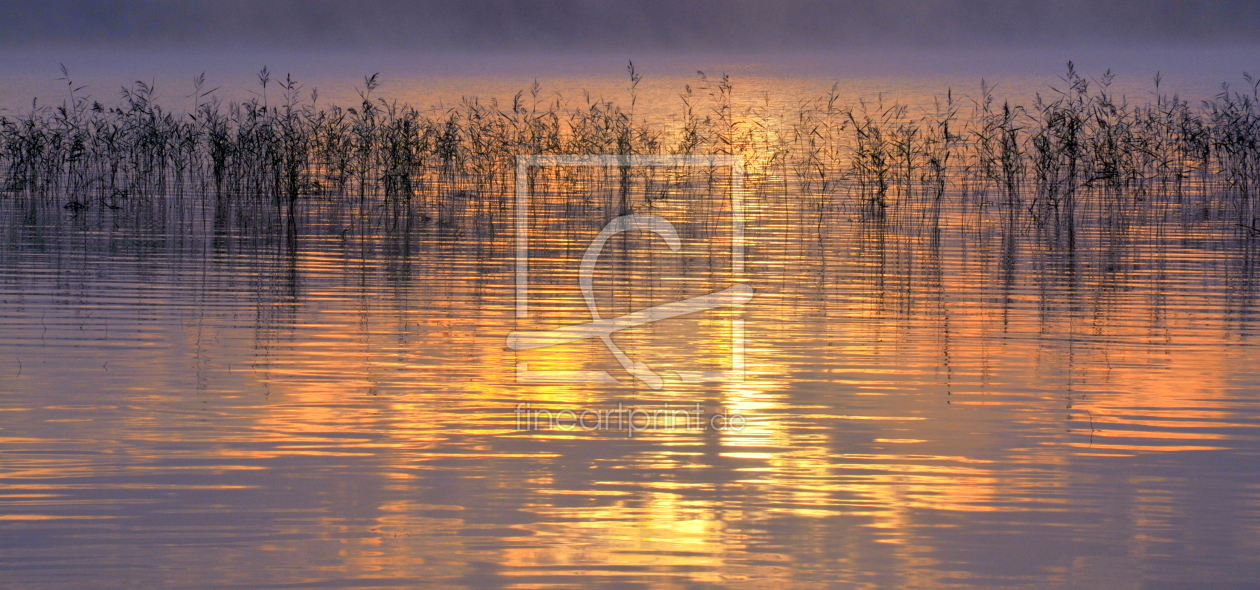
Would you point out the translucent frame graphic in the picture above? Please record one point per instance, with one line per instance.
(602, 328)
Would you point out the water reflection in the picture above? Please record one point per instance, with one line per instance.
(960, 402)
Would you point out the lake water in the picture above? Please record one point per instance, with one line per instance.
(183, 405)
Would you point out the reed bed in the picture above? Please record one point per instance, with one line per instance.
(1077, 158)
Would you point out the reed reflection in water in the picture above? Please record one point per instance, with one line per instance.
(945, 392)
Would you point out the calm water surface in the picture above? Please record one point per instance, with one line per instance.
(968, 407)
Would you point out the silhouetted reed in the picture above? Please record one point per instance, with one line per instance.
(1077, 158)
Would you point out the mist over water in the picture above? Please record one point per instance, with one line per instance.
(427, 79)
(430, 51)
(585, 25)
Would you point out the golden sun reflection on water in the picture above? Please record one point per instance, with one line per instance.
(919, 414)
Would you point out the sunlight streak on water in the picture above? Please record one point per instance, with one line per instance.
(922, 412)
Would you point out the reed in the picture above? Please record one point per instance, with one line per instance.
(1077, 158)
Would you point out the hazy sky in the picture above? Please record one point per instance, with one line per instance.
(625, 24)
